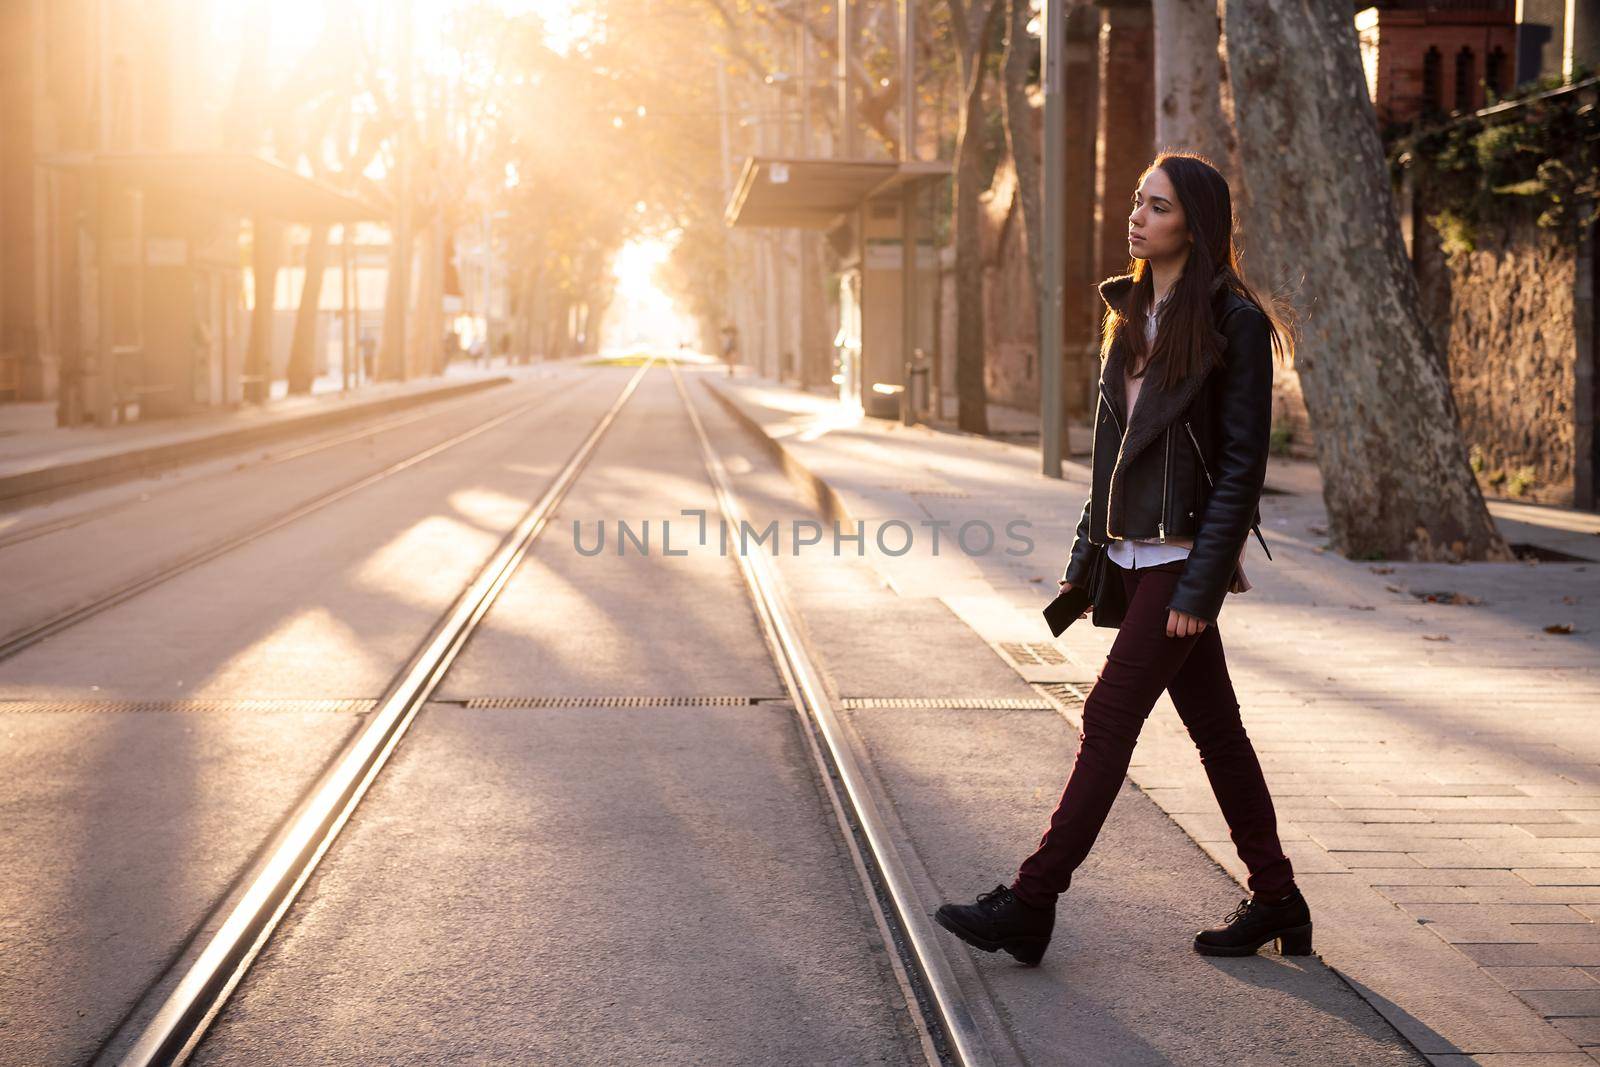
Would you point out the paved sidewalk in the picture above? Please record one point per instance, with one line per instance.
(36, 454)
(1433, 750)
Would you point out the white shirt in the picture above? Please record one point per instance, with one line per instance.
(1149, 552)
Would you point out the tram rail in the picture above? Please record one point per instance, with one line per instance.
(30, 635)
(224, 465)
(169, 1024)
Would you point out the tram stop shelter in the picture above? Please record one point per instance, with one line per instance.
(870, 210)
(166, 325)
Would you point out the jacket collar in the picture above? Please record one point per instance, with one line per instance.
(1157, 407)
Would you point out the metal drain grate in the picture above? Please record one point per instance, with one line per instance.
(1064, 692)
(101, 707)
(486, 703)
(954, 703)
(1033, 653)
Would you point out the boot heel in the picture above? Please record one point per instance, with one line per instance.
(1029, 952)
(1295, 942)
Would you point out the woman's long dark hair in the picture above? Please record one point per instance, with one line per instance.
(1187, 339)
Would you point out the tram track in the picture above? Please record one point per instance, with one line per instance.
(225, 467)
(173, 1018)
(22, 639)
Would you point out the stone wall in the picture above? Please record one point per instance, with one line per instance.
(1010, 309)
(1503, 315)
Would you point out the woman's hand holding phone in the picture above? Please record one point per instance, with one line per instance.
(1066, 586)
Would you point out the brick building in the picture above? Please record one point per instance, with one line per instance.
(1431, 57)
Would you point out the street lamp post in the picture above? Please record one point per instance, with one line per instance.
(1051, 285)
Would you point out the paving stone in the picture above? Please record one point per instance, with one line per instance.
(1512, 1059)
(1576, 896)
(1516, 978)
(1534, 955)
(1495, 913)
(1465, 876)
(1470, 857)
(1463, 1007)
(1354, 860)
(1585, 1031)
(1517, 933)
(1557, 876)
(1499, 934)
(1566, 1002)
(1431, 894)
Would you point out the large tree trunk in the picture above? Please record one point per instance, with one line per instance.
(392, 358)
(1395, 476)
(1188, 78)
(1021, 50)
(266, 237)
(971, 392)
(303, 343)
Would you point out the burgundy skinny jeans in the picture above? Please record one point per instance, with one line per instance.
(1142, 662)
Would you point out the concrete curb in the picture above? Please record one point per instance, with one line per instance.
(819, 494)
(137, 461)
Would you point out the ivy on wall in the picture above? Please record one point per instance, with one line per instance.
(1538, 160)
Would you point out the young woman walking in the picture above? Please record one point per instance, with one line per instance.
(1179, 458)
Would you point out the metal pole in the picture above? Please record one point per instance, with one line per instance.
(908, 208)
(403, 253)
(353, 258)
(1052, 285)
(908, 79)
(847, 111)
(780, 252)
(805, 79)
(104, 376)
(349, 333)
(729, 252)
(488, 285)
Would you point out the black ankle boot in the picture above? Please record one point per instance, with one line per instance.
(1000, 920)
(1255, 922)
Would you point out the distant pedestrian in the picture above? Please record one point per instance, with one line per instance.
(369, 356)
(1188, 349)
(730, 346)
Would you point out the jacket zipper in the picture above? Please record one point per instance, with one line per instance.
(1166, 471)
(1198, 453)
(1111, 407)
(1105, 398)
(1255, 527)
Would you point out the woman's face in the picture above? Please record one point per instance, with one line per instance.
(1157, 229)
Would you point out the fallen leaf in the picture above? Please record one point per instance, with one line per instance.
(1381, 570)
(1559, 628)
(1317, 529)
(1446, 596)
(1436, 637)
(1361, 607)
(1393, 588)
(1569, 600)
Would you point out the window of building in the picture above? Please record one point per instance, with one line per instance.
(1466, 75)
(1496, 70)
(1431, 70)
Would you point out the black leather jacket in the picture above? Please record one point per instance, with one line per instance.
(1193, 461)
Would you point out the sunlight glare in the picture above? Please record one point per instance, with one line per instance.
(642, 312)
